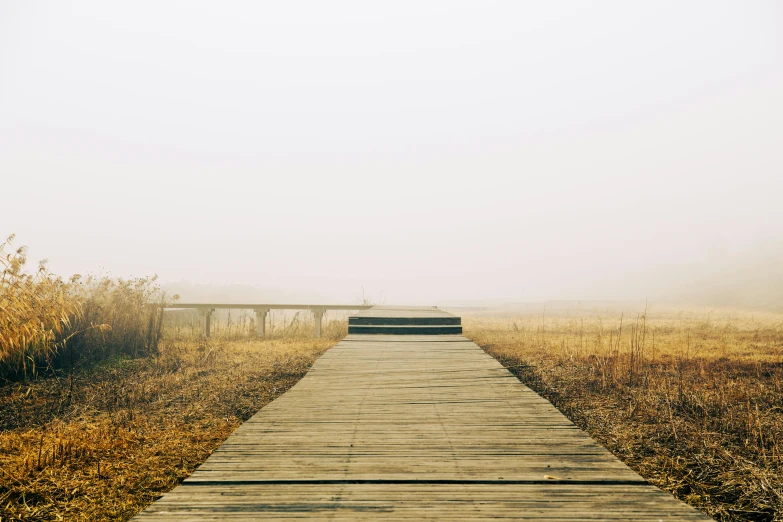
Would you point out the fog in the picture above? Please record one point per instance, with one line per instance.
(405, 152)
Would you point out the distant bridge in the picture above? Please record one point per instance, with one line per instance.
(205, 311)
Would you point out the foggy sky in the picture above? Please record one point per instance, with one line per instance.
(423, 151)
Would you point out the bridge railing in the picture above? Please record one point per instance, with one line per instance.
(205, 311)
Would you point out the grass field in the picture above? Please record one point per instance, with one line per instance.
(105, 404)
(691, 399)
(102, 443)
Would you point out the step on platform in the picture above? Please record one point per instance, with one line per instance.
(394, 320)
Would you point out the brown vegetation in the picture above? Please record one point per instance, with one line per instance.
(48, 325)
(102, 443)
(691, 400)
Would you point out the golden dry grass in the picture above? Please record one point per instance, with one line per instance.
(691, 399)
(102, 444)
(49, 325)
(36, 310)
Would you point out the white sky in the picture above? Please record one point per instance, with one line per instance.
(426, 151)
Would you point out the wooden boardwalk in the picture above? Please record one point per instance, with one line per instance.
(412, 427)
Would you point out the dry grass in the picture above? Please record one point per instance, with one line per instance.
(36, 311)
(49, 326)
(98, 414)
(692, 400)
(103, 443)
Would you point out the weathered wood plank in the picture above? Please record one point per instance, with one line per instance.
(421, 502)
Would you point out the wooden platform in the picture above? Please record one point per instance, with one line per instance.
(420, 427)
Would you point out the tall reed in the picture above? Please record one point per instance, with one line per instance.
(48, 324)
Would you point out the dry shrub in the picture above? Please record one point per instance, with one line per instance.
(692, 400)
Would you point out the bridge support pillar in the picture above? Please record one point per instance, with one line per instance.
(206, 321)
(261, 321)
(318, 315)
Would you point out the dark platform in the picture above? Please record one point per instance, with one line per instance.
(404, 321)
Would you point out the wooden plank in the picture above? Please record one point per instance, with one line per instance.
(413, 428)
(420, 502)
